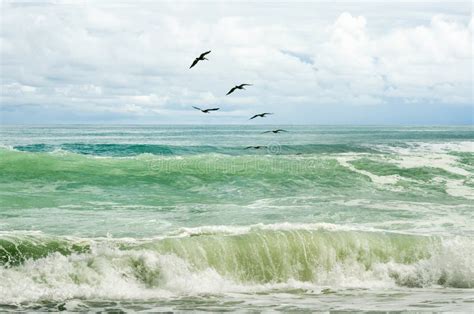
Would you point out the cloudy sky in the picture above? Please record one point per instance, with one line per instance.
(351, 62)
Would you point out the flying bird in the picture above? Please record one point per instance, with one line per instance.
(255, 147)
(261, 115)
(241, 86)
(275, 131)
(206, 110)
(200, 58)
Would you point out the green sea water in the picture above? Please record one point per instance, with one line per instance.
(163, 218)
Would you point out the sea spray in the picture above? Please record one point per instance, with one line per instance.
(260, 258)
(165, 218)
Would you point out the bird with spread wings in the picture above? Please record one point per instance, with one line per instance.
(261, 115)
(241, 86)
(206, 110)
(200, 58)
(275, 131)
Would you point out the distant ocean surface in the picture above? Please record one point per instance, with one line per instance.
(170, 218)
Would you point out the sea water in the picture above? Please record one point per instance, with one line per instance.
(185, 217)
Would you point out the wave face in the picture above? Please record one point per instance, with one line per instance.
(126, 150)
(125, 218)
(224, 260)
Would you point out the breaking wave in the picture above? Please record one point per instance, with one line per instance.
(222, 259)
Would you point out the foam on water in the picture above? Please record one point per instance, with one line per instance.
(327, 217)
(441, 161)
(458, 189)
(229, 260)
(380, 180)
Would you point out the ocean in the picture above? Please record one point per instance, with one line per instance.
(175, 218)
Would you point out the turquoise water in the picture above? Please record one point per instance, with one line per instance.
(184, 217)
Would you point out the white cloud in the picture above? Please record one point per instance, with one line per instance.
(134, 58)
(403, 63)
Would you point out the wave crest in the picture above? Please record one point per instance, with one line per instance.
(258, 259)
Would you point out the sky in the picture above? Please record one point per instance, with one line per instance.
(312, 62)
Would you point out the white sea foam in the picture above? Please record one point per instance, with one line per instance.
(442, 161)
(417, 155)
(109, 273)
(284, 226)
(433, 218)
(6, 147)
(380, 180)
(458, 189)
(424, 147)
(435, 155)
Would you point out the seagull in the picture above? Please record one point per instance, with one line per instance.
(261, 115)
(255, 147)
(200, 58)
(206, 110)
(275, 131)
(241, 86)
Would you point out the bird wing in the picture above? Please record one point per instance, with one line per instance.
(194, 62)
(204, 54)
(242, 85)
(281, 130)
(254, 117)
(266, 132)
(197, 108)
(265, 113)
(248, 147)
(231, 90)
(212, 109)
